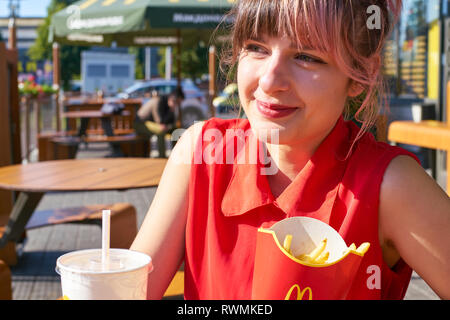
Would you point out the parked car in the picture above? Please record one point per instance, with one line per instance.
(193, 108)
(75, 85)
(227, 100)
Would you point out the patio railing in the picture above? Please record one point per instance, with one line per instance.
(37, 115)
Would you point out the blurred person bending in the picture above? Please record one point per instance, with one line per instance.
(157, 117)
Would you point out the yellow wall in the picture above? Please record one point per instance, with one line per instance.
(433, 60)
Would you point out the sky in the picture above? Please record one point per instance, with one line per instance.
(28, 8)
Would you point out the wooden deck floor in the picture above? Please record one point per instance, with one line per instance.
(34, 277)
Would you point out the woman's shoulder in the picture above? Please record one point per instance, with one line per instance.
(225, 124)
(188, 139)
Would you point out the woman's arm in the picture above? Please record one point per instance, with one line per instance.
(414, 220)
(162, 232)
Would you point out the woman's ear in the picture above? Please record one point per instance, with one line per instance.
(355, 89)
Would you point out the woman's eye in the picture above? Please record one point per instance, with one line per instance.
(306, 58)
(253, 48)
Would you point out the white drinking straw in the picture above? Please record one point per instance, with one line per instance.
(106, 219)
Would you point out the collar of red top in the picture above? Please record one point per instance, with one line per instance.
(313, 190)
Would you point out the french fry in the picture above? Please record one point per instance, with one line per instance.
(362, 249)
(317, 256)
(304, 257)
(352, 247)
(318, 250)
(322, 258)
(287, 243)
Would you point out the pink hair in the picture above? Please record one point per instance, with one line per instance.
(336, 27)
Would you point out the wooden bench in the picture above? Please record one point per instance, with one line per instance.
(64, 147)
(131, 145)
(47, 148)
(58, 146)
(123, 220)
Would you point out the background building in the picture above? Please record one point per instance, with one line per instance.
(26, 34)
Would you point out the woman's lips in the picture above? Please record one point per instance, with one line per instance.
(270, 110)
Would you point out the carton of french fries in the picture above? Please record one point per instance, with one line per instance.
(302, 258)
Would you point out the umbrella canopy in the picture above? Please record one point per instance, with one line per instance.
(137, 22)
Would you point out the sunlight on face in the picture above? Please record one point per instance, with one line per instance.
(299, 93)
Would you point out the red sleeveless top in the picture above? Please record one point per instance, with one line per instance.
(229, 199)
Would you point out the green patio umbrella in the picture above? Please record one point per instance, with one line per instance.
(137, 22)
(140, 23)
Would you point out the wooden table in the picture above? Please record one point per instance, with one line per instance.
(428, 134)
(33, 180)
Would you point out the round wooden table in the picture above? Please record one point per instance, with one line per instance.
(33, 180)
(83, 174)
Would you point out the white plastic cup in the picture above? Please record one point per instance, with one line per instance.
(84, 278)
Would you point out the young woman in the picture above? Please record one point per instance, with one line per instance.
(299, 64)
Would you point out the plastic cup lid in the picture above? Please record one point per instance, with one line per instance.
(90, 261)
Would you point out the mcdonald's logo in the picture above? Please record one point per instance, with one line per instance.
(300, 293)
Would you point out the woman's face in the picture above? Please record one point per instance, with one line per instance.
(299, 93)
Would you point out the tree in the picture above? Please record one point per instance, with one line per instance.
(139, 65)
(42, 49)
(194, 61)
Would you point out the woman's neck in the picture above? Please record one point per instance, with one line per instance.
(288, 159)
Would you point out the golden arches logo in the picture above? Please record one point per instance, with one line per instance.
(300, 293)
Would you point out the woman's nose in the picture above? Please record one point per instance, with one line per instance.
(274, 76)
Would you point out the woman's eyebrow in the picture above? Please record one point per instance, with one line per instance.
(257, 39)
(298, 47)
(293, 45)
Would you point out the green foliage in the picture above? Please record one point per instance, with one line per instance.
(42, 49)
(139, 64)
(194, 61)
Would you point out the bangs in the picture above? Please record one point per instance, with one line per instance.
(336, 28)
(312, 24)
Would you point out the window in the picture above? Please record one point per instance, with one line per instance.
(96, 70)
(164, 89)
(120, 71)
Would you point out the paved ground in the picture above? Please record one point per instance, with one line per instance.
(35, 278)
